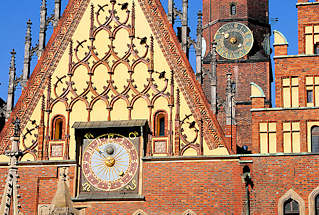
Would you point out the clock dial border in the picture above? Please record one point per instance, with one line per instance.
(227, 37)
(119, 171)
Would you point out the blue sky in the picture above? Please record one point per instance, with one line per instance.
(15, 13)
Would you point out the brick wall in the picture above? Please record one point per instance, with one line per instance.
(307, 14)
(294, 66)
(213, 186)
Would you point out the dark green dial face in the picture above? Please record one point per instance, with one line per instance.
(234, 40)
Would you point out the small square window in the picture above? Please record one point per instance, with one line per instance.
(309, 96)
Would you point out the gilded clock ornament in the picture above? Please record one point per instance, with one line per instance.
(110, 162)
(234, 40)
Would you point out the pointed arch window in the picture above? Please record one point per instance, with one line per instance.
(317, 205)
(160, 124)
(316, 48)
(315, 139)
(58, 128)
(291, 207)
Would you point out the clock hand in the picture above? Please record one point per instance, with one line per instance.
(101, 153)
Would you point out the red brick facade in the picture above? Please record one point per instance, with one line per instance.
(206, 186)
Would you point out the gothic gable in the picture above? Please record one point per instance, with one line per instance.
(114, 61)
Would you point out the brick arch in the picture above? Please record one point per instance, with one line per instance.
(293, 195)
(139, 212)
(311, 200)
(189, 212)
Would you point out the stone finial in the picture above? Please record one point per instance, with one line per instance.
(57, 12)
(199, 46)
(43, 27)
(184, 20)
(170, 12)
(11, 87)
(62, 203)
(27, 55)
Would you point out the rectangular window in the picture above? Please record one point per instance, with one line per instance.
(291, 132)
(290, 92)
(267, 137)
(312, 89)
(309, 96)
(311, 39)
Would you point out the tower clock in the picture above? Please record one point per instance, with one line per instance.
(234, 40)
(109, 159)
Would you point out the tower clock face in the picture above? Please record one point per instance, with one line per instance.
(110, 162)
(234, 40)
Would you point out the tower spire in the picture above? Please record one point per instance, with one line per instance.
(184, 19)
(43, 27)
(11, 87)
(198, 46)
(213, 79)
(27, 55)
(170, 12)
(57, 12)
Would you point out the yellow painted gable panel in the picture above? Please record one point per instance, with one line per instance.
(116, 72)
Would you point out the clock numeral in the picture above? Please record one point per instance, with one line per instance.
(89, 136)
(90, 150)
(109, 137)
(133, 135)
(132, 185)
(86, 187)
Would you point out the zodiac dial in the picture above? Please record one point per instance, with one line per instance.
(110, 162)
(234, 40)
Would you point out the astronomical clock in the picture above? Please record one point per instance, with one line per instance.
(109, 161)
(234, 40)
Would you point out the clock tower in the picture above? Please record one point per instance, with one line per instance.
(236, 34)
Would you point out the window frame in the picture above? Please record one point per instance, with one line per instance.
(313, 87)
(291, 201)
(291, 194)
(291, 133)
(313, 34)
(311, 201)
(54, 120)
(267, 132)
(311, 131)
(156, 127)
(233, 9)
(290, 86)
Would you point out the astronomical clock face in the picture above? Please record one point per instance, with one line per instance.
(234, 40)
(109, 164)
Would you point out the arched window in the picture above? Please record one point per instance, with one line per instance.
(315, 139)
(139, 212)
(317, 205)
(291, 207)
(316, 48)
(58, 127)
(233, 9)
(160, 122)
(189, 212)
